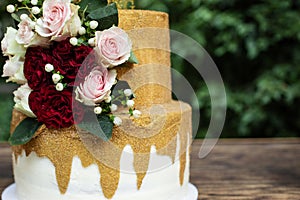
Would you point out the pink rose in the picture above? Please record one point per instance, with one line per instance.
(96, 86)
(25, 33)
(55, 15)
(114, 46)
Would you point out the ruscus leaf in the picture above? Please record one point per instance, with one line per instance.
(101, 126)
(106, 16)
(91, 5)
(24, 131)
(133, 58)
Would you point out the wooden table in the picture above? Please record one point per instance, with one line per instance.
(236, 169)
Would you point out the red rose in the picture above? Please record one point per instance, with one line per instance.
(68, 59)
(53, 108)
(65, 58)
(34, 67)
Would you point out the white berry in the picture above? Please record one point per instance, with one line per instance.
(56, 78)
(136, 113)
(59, 87)
(93, 24)
(10, 8)
(82, 31)
(118, 121)
(98, 110)
(35, 10)
(113, 107)
(74, 41)
(108, 99)
(130, 103)
(91, 42)
(34, 2)
(128, 92)
(49, 67)
(24, 17)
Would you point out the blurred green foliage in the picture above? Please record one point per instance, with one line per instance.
(6, 105)
(256, 46)
(6, 99)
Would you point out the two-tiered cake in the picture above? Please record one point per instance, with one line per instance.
(146, 157)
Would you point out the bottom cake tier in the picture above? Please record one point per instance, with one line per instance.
(150, 161)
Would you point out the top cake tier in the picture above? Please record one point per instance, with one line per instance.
(151, 78)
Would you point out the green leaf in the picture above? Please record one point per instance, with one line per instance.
(130, 111)
(106, 17)
(24, 131)
(6, 105)
(101, 127)
(133, 58)
(92, 5)
(106, 125)
(16, 17)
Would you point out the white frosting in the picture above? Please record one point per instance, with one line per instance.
(35, 179)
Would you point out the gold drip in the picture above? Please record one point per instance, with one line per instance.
(51, 143)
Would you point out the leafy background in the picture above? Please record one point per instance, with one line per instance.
(256, 46)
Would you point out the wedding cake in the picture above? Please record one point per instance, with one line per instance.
(146, 155)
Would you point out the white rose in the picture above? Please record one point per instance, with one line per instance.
(73, 25)
(25, 33)
(9, 44)
(21, 100)
(13, 68)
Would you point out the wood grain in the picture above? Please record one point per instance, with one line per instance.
(259, 169)
(6, 177)
(248, 169)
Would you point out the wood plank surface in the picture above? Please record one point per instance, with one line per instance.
(248, 169)
(6, 177)
(235, 169)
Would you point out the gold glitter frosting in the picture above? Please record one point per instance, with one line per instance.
(150, 79)
(162, 120)
(161, 132)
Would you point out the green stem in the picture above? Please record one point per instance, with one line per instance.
(83, 14)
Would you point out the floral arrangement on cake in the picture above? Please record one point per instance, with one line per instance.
(64, 55)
